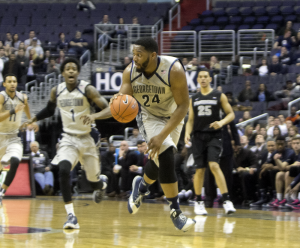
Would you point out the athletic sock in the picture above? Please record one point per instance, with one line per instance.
(70, 208)
(286, 196)
(198, 198)
(144, 186)
(294, 196)
(225, 197)
(279, 196)
(173, 202)
(2, 192)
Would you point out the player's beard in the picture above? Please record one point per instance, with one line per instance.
(143, 66)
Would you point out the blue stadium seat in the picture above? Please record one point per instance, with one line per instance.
(297, 10)
(208, 20)
(272, 26)
(23, 21)
(261, 3)
(277, 19)
(206, 13)
(200, 28)
(292, 18)
(29, 7)
(259, 11)
(235, 20)
(249, 20)
(103, 6)
(27, 13)
(53, 21)
(36, 29)
(277, 3)
(244, 26)
(219, 12)
(133, 7)
(287, 10)
(223, 20)
(294, 69)
(246, 11)
(195, 22)
(235, 4)
(8, 21)
(58, 7)
(258, 26)
(37, 20)
(221, 4)
(289, 3)
(262, 20)
(234, 11)
(46, 6)
(147, 8)
(247, 3)
(230, 27)
(187, 28)
(15, 7)
(273, 10)
(214, 27)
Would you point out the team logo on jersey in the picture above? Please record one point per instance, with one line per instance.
(126, 101)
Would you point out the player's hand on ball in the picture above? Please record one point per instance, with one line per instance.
(216, 125)
(115, 97)
(87, 119)
(154, 146)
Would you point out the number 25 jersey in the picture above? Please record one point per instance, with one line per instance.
(207, 109)
(154, 94)
(72, 105)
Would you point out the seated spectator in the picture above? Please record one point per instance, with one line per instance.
(106, 28)
(85, 5)
(244, 142)
(296, 41)
(142, 158)
(275, 67)
(14, 67)
(288, 124)
(278, 123)
(270, 122)
(8, 40)
(276, 132)
(292, 132)
(41, 168)
(288, 91)
(246, 94)
(52, 67)
(61, 57)
(262, 94)
(23, 60)
(294, 117)
(260, 146)
(15, 42)
(236, 65)
(231, 99)
(62, 44)
(107, 164)
(8, 50)
(78, 45)
(126, 62)
(263, 68)
(185, 62)
(121, 28)
(135, 137)
(269, 169)
(22, 46)
(36, 65)
(47, 57)
(3, 57)
(246, 166)
(34, 45)
(284, 41)
(28, 42)
(28, 135)
(250, 135)
(193, 65)
(288, 26)
(284, 56)
(263, 132)
(246, 116)
(214, 65)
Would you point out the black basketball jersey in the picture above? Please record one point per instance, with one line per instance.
(207, 109)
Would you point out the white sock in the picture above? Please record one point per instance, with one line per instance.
(69, 208)
(279, 196)
(104, 185)
(203, 191)
(294, 196)
(218, 191)
(286, 196)
(299, 195)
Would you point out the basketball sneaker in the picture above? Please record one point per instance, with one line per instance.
(136, 197)
(295, 207)
(99, 193)
(180, 221)
(2, 193)
(71, 223)
(272, 204)
(294, 203)
(228, 207)
(199, 208)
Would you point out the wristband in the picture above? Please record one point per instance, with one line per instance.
(12, 112)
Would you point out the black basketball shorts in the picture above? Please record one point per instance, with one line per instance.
(294, 171)
(206, 147)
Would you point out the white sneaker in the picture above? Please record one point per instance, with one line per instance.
(199, 208)
(228, 207)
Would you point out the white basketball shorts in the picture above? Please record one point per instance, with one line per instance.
(10, 146)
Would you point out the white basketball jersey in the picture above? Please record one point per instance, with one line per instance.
(12, 124)
(154, 94)
(72, 105)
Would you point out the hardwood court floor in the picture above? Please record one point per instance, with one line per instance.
(108, 224)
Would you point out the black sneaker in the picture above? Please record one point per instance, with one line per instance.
(71, 223)
(180, 221)
(99, 194)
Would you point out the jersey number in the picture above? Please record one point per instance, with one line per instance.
(204, 110)
(12, 117)
(73, 117)
(155, 99)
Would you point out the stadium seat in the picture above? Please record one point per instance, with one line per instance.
(219, 12)
(247, 3)
(200, 28)
(187, 28)
(289, 3)
(230, 27)
(246, 11)
(208, 20)
(221, 4)
(262, 20)
(235, 20)
(23, 21)
(277, 19)
(244, 26)
(287, 10)
(234, 11)
(214, 27)
(277, 3)
(249, 20)
(223, 20)
(195, 22)
(297, 10)
(292, 18)
(272, 26)
(235, 4)
(260, 3)
(259, 106)
(258, 11)
(206, 13)
(273, 10)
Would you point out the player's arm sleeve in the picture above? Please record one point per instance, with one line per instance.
(49, 110)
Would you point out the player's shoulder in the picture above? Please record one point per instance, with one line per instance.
(22, 97)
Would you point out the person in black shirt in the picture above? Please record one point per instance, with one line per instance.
(206, 123)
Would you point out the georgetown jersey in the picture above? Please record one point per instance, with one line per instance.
(154, 94)
(11, 124)
(72, 105)
(207, 109)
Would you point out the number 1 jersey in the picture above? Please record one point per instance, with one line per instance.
(154, 93)
(72, 105)
(207, 109)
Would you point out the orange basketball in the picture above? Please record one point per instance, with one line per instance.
(124, 108)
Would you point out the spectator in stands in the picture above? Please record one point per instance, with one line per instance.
(16, 42)
(121, 28)
(62, 44)
(3, 57)
(36, 65)
(61, 57)
(263, 132)
(23, 60)
(28, 42)
(34, 44)
(22, 46)
(220, 89)
(13, 66)
(294, 117)
(288, 91)
(246, 116)
(276, 132)
(106, 28)
(282, 128)
(260, 146)
(296, 41)
(244, 142)
(230, 98)
(292, 131)
(262, 94)
(246, 94)
(288, 124)
(185, 62)
(107, 164)
(8, 50)
(236, 65)
(52, 67)
(245, 163)
(284, 56)
(214, 65)
(193, 65)
(85, 5)
(8, 40)
(135, 136)
(250, 135)
(78, 45)
(288, 27)
(284, 41)
(122, 67)
(41, 168)
(275, 67)
(47, 57)
(263, 68)
(1, 76)
(135, 20)
(142, 158)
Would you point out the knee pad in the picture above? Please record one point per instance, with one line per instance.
(167, 172)
(64, 169)
(294, 171)
(151, 170)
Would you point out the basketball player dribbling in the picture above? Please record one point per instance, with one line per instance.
(159, 84)
(205, 124)
(74, 99)
(12, 104)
